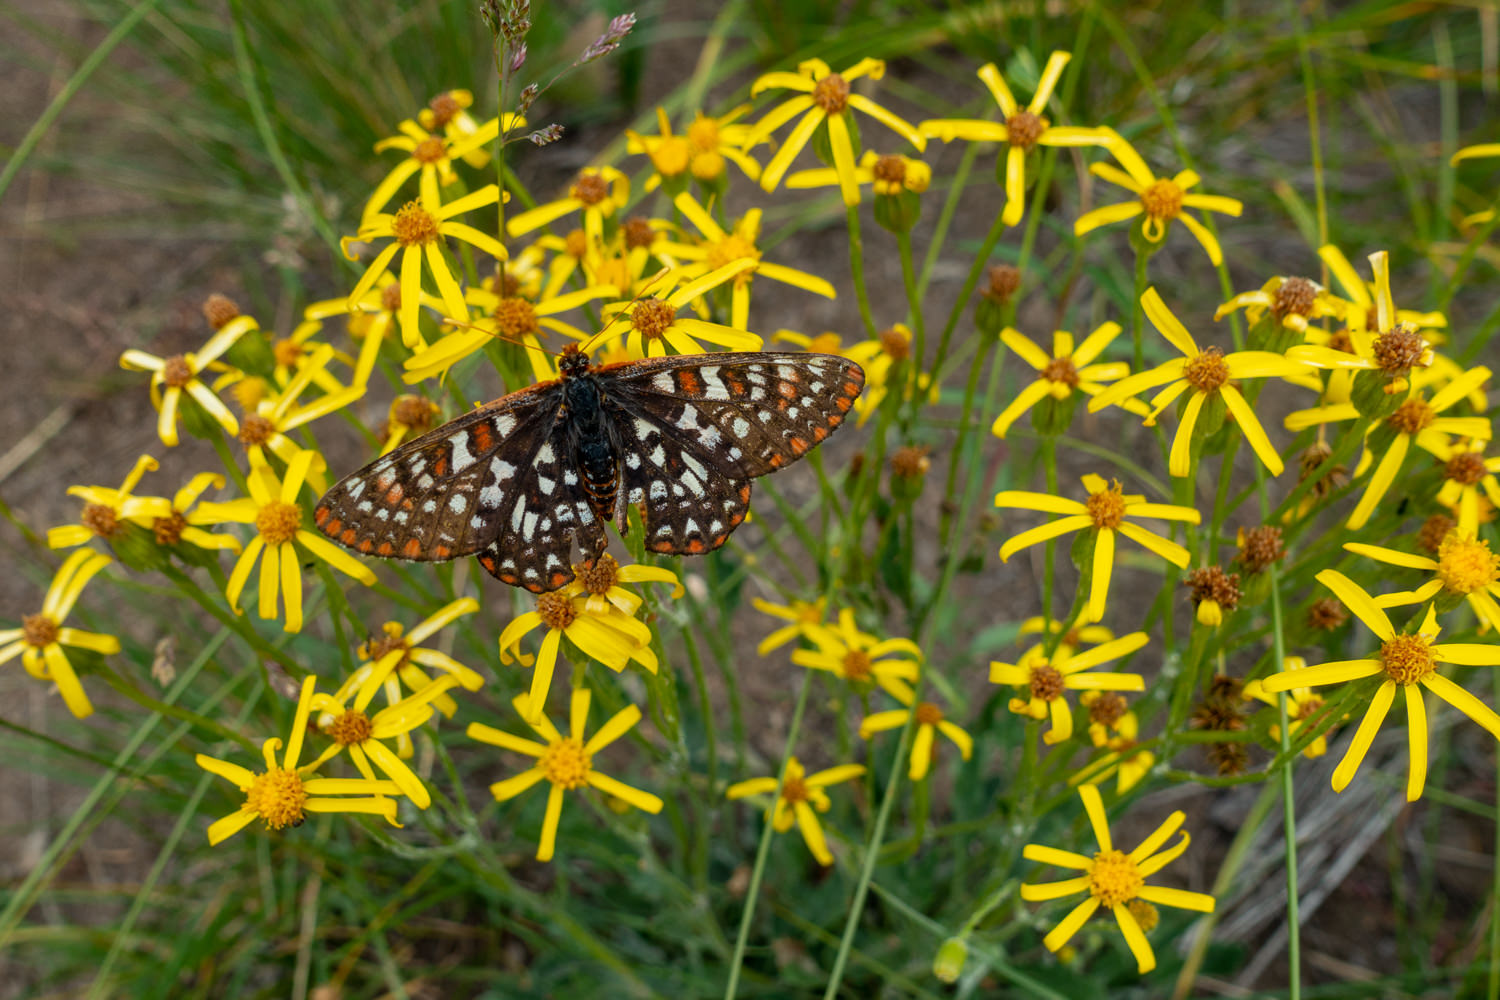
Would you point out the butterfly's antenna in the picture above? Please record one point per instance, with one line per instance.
(594, 341)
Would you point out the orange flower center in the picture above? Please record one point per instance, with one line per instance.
(1114, 879)
(576, 244)
(638, 233)
(794, 790)
(1433, 531)
(287, 352)
(704, 133)
(1407, 658)
(857, 665)
(1294, 297)
(599, 576)
(1145, 914)
(1412, 416)
(1208, 371)
(1162, 200)
(278, 797)
(1465, 468)
(565, 763)
(390, 297)
(1047, 682)
(414, 226)
(890, 170)
(1024, 128)
(1107, 709)
(556, 611)
(1062, 370)
(219, 310)
(910, 462)
(256, 430)
(1004, 281)
(1107, 507)
(1399, 350)
(831, 94)
(278, 522)
(101, 519)
(413, 412)
(176, 372)
(429, 150)
(515, 317)
(39, 630)
(928, 714)
(590, 189)
(168, 530)
(443, 108)
(391, 638)
(731, 248)
(652, 317)
(895, 343)
(350, 728)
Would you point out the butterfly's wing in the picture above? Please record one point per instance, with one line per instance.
(694, 430)
(494, 472)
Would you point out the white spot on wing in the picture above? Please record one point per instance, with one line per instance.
(461, 457)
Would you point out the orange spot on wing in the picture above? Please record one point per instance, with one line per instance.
(787, 389)
(412, 549)
(440, 467)
(321, 514)
(510, 578)
(332, 527)
(366, 544)
(695, 546)
(557, 579)
(842, 403)
(852, 388)
(441, 552)
(386, 549)
(689, 382)
(393, 495)
(732, 383)
(665, 545)
(819, 433)
(799, 445)
(834, 419)
(778, 460)
(484, 439)
(349, 537)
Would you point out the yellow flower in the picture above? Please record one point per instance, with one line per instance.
(1114, 879)
(598, 193)
(1047, 679)
(1067, 368)
(1074, 637)
(1407, 659)
(430, 156)
(1159, 199)
(799, 799)
(410, 416)
(598, 582)
(825, 100)
(180, 524)
(106, 511)
(449, 111)
(171, 377)
(655, 324)
(1397, 345)
(284, 793)
(719, 248)
(280, 541)
(371, 317)
(699, 152)
(566, 762)
(861, 659)
(609, 635)
(274, 418)
(1022, 129)
(1206, 376)
(510, 318)
(1465, 473)
(1104, 514)
(40, 640)
(1292, 302)
(416, 232)
(1301, 705)
(1416, 421)
(877, 356)
(930, 720)
(346, 723)
(1464, 568)
(800, 616)
(889, 175)
(395, 658)
(1112, 725)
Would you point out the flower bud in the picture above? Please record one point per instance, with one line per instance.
(948, 965)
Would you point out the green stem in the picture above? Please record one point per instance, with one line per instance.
(764, 850)
(857, 266)
(918, 325)
(1288, 811)
(1138, 313)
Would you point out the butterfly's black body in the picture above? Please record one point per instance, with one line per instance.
(521, 480)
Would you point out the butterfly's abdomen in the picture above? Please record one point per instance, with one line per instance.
(592, 450)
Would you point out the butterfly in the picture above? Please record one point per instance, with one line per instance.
(519, 480)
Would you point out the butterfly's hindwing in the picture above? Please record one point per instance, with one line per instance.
(448, 493)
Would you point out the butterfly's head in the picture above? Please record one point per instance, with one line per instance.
(573, 363)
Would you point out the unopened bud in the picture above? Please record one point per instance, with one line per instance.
(949, 963)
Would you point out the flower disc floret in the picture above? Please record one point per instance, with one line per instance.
(831, 94)
(1466, 565)
(1063, 372)
(857, 665)
(414, 226)
(1024, 128)
(1107, 709)
(1162, 200)
(351, 728)
(1294, 297)
(598, 576)
(278, 522)
(176, 372)
(1047, 682)
(1208, 371)
(565, 763)
(652, 317)
(1114, 879)
(1399, 350)
(1466, 468)
(1107, 507)
(556, 611)
(1407, 658)
(256, 430)
(430, 150)
(1412, 416)
(100, 518)
(731, 248)
(890, 171)
(928, 714)
(515, 317)
(794, 790)
(895, 343)
(39, 630)
(639, 233)
(591, 189)
(278, 796)
(168, 530)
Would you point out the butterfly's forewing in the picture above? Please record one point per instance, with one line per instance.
(450, 492)
(694, 430)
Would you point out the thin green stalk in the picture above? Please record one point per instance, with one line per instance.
(857, 266)
(764, 850)
(1288, 809)
(918, 325)
(75, 83)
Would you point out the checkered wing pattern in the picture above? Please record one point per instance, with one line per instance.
(695, 430)
(488, 482)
